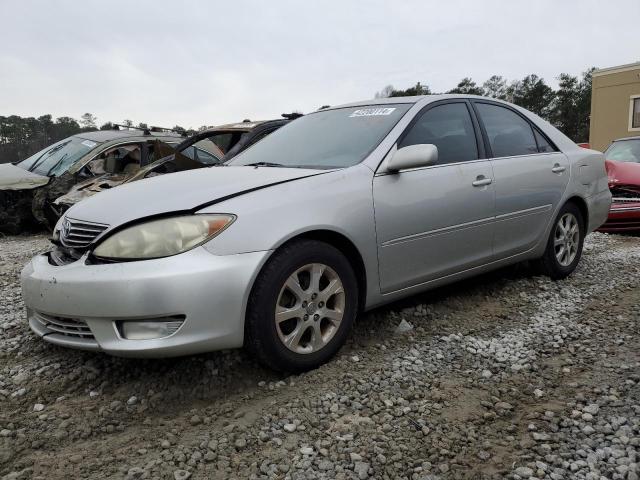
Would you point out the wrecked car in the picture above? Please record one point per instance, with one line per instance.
(623, 170)
(209, 147)
(103, 158)
(214, 146)
(338, 212)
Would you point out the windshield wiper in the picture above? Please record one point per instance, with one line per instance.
(57, 164)
(264, 164)
(46, 155)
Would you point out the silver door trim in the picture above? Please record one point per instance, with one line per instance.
(525, 212)
(462, 226)
(437, 231)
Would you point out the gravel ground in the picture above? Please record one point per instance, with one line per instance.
(509, 375)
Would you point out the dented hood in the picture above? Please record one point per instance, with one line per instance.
(182, 191)
(623, 173)
(16, 178)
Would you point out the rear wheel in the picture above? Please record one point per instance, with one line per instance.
(564, 247)
(302, 306)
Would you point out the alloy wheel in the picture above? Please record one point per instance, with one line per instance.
(310, 308)
(566, 239)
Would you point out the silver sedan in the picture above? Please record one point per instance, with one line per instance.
(338, 212)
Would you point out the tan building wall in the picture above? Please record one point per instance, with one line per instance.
(612, 102)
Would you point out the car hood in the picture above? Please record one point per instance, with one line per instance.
(16, 178)
(623, 173)
(179, 192)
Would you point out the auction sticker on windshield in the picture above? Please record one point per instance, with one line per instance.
(372, 112)
(89, 143)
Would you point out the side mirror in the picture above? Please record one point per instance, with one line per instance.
(413, 156)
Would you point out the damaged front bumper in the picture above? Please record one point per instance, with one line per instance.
(624, 215)
(86, 306)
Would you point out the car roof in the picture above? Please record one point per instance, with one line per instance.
(109, 135)
(627, 138)
(244, 126)
(410, 100)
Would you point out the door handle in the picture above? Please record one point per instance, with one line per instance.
(481, 181)
(557, 168)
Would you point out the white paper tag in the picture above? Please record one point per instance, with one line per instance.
(89, 143)
(372, 112)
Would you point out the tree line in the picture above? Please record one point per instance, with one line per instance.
(21, 137)
(568, 107)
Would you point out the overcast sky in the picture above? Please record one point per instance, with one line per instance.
(211, 62)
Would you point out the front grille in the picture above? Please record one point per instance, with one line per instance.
(625, 193)
(626, 199)
(79, 234)
(70, 327)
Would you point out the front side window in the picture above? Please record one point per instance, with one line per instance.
(624, 151)
(123, 159)
(159, 149)
(635, 112)
(509, 134)
(449, 128)
(325, 139)
(56, 159)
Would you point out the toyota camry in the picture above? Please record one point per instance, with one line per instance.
(337, 212)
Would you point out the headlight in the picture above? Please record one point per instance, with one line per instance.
(163, 238)
(56, 230)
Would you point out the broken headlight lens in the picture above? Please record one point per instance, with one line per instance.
(162, 238)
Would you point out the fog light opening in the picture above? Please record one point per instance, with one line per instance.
(149, 329)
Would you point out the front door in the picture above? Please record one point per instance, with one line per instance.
(437, 220)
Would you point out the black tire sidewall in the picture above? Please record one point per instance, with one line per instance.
(261, 329)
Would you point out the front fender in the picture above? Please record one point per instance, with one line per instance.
(339, 201)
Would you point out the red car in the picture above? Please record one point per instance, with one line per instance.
(623, 169)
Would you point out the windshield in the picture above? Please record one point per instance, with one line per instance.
(624, 151)
(59, 157)
(326, 139)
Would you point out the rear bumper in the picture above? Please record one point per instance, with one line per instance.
(623, 217)
(77, 305)
(598, 206)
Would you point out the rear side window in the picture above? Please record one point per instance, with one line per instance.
(509, 134)
(449, 128)
(543, 145)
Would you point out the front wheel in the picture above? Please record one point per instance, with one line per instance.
(564, 247)
(302, 306)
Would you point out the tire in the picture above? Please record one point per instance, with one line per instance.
(550, 263)
(313, 329)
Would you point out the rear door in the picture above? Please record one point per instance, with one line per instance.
(530, 177)
(437, 220)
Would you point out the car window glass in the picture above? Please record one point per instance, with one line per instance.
(624, 151)
(259, 137)
(96, 166)
(57, 159)
(509, 134)
(332, 138)
(449, 128)
(123, 159)
(543, 145)
(158, 149)
(207, 151)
